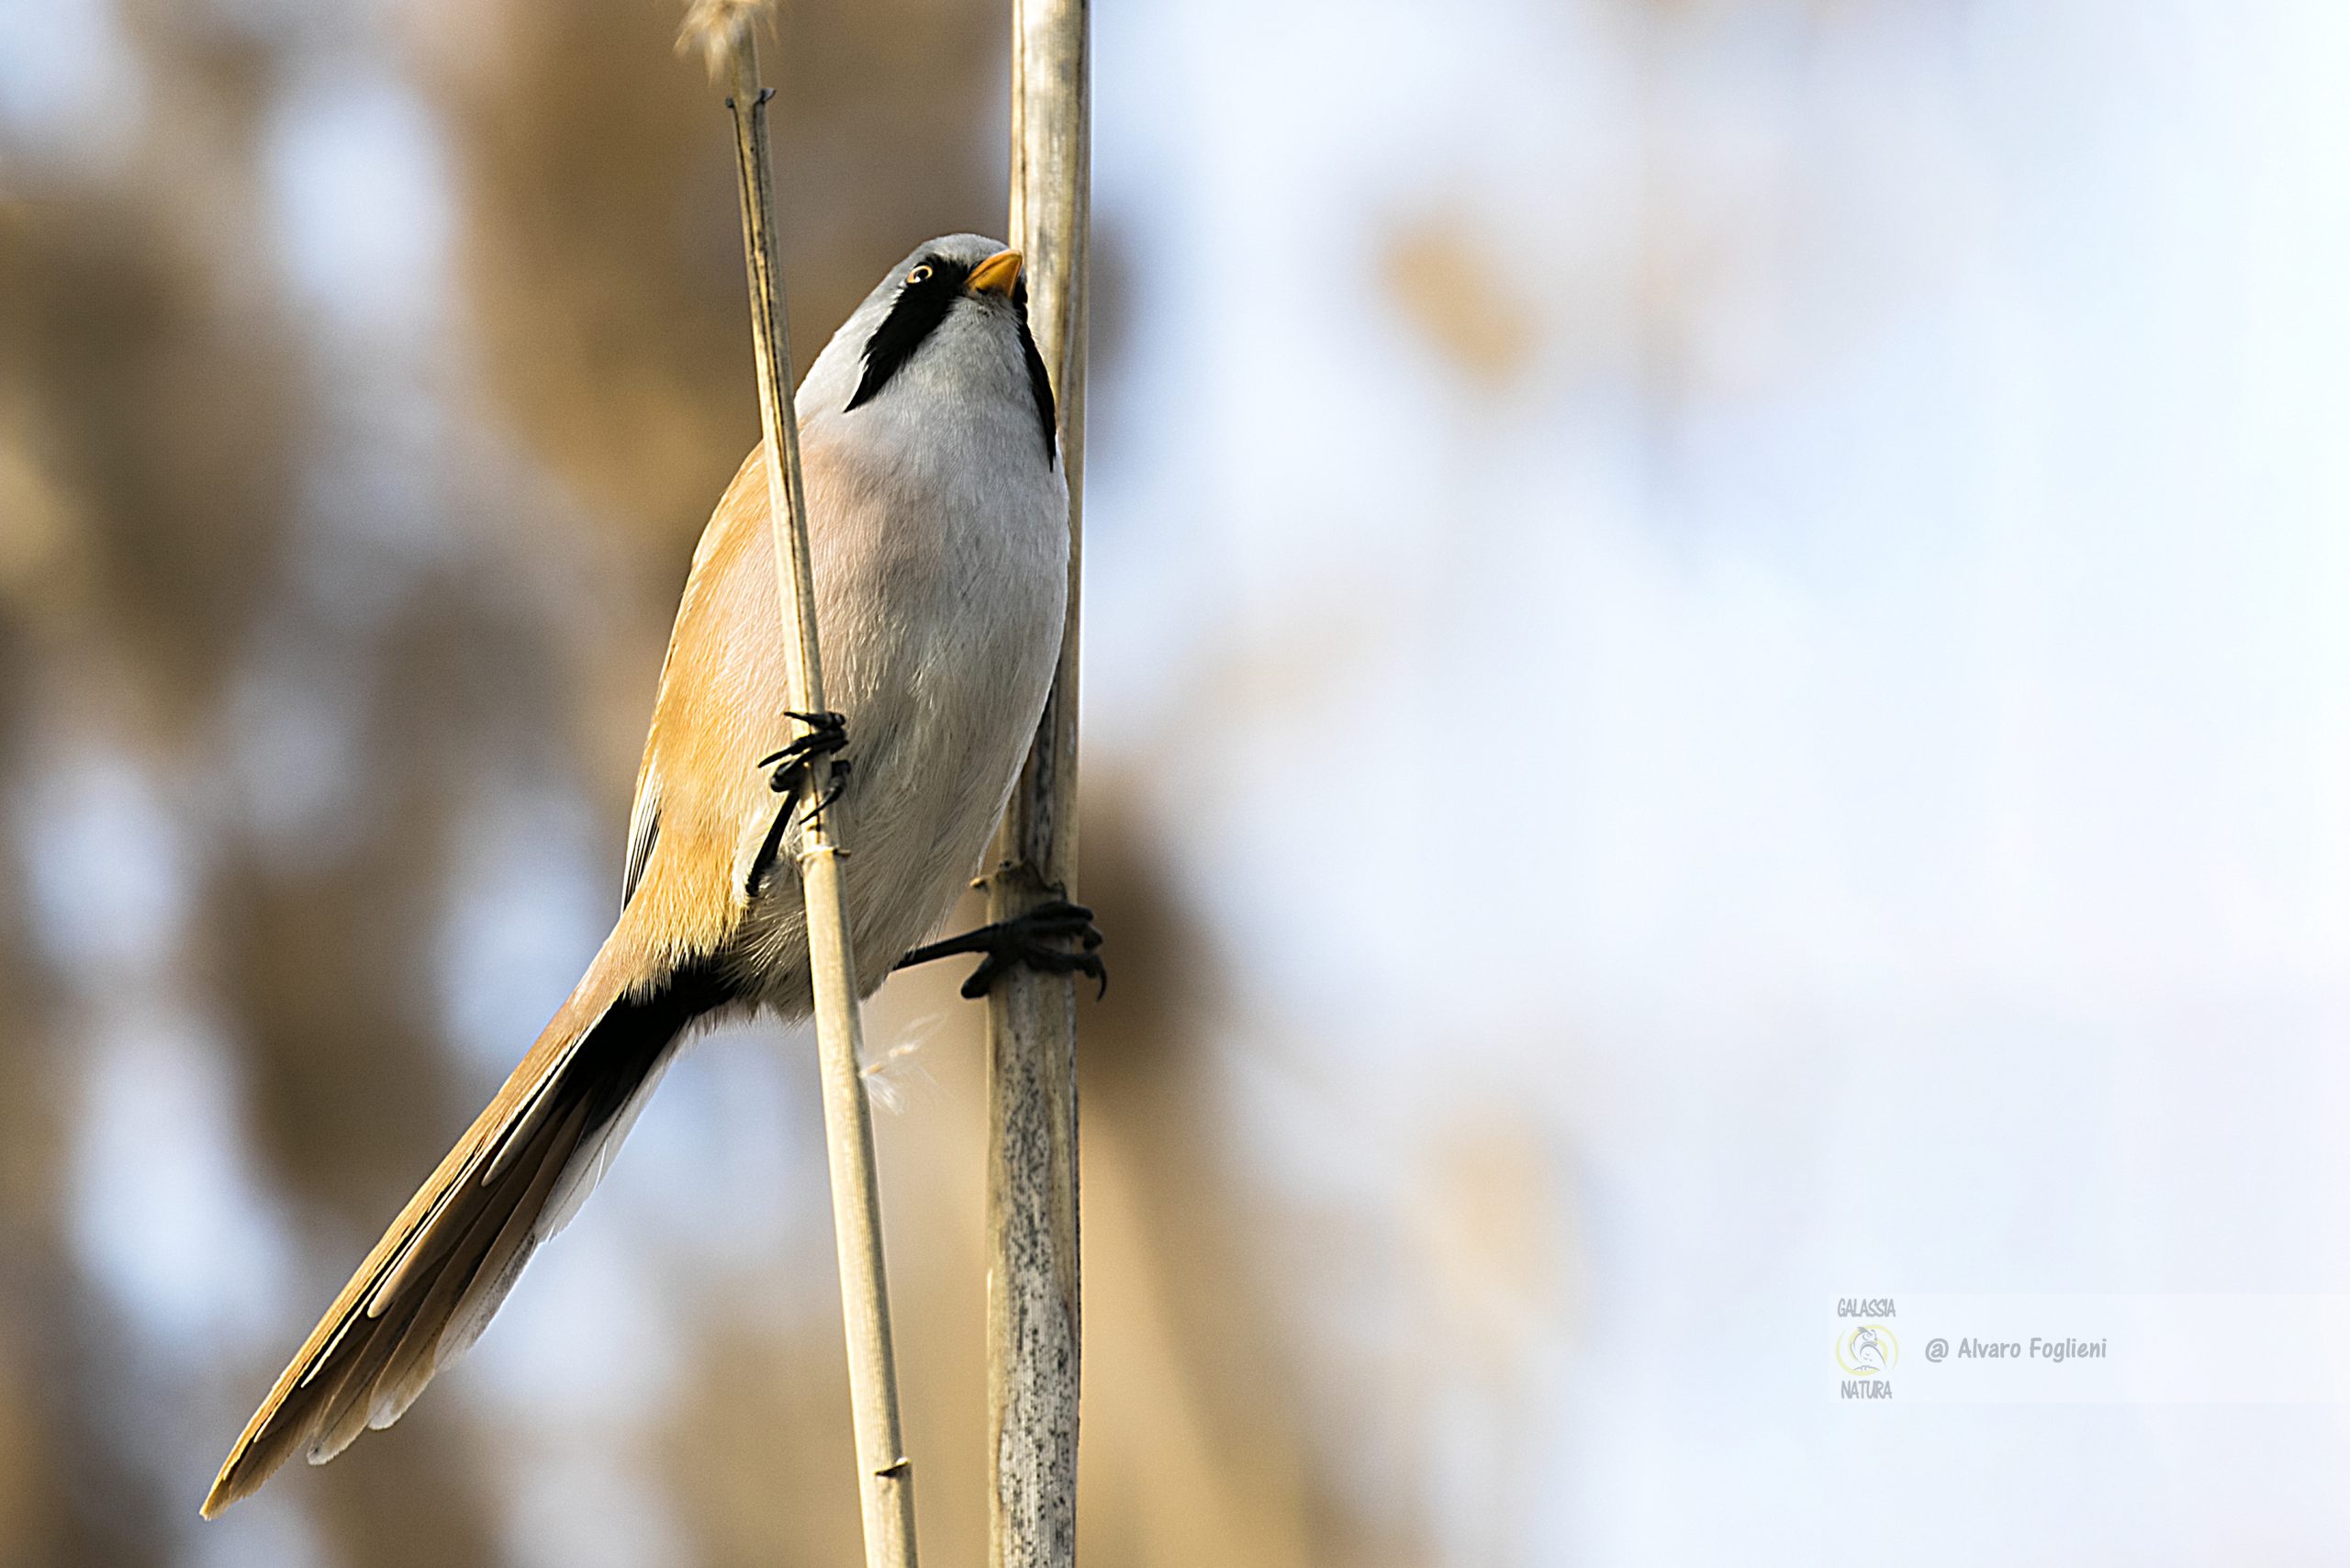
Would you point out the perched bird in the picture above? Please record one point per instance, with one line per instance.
(938, 522)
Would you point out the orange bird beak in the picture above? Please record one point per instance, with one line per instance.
(996, 274)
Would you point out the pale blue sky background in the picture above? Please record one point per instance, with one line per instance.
(1895, 701)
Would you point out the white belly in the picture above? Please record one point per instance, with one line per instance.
(939, 616)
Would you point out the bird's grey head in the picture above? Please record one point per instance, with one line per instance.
(950, 322)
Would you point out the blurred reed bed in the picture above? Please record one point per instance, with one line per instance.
(295, 585)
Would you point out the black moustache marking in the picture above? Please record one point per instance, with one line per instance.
(913, 316)
(1040, 385)
(917, 313)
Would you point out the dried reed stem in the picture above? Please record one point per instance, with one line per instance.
(1032, 1299)
(885, 1476)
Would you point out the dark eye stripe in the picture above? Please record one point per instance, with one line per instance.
(913, 316)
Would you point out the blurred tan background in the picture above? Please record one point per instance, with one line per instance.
(367, 374)
(1715, 678)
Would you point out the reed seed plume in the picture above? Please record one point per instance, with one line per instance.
(716, 28)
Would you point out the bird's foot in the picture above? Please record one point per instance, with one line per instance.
(1035, 940)
(827, 734)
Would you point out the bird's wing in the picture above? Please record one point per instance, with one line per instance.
(645, 807)
(703, 806)
(644, 831)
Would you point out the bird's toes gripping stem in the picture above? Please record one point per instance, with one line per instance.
(827, 733)
(1037, 940)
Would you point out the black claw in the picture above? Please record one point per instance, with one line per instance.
(842, 766)
(1031, 940)
(826, 735)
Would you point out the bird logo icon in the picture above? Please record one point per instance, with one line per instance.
(1868, 1350)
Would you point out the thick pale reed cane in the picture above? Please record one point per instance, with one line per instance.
(1034, 1321)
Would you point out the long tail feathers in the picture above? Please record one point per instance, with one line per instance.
(430, 1286)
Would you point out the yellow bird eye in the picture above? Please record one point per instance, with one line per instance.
(920, 274)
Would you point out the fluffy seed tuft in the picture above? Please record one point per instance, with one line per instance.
(715, 27)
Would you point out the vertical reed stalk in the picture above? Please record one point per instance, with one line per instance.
(1032, 1298)
(885, 1476)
